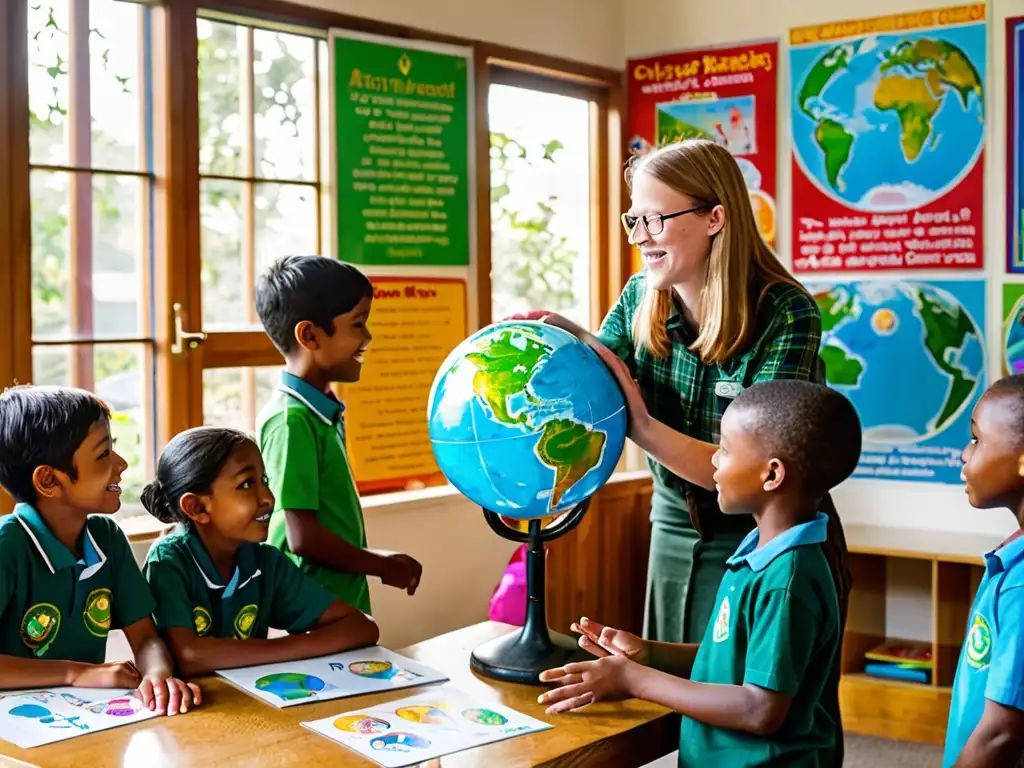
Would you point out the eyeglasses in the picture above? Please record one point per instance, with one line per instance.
(654, 223)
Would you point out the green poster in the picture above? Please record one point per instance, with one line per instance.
(1013, 328)
(402, 151)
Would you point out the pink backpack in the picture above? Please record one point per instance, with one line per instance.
(508, 601)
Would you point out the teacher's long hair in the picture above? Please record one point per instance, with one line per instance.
(741, 266)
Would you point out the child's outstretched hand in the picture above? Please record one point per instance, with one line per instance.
(168, 696)
(586, 682)
(403, 572)
(604, 641)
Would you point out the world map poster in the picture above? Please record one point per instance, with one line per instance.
(911, 357)
(726, 95)
(887, 124)
(1015, 143)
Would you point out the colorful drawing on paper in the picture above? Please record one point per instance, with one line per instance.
(34, 718)
(362, 724)
(291, 686)
(352, 673)
(427, 726)
(932, 334)
(729, 122)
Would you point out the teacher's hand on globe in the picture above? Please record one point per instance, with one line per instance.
(601, 641)
(639, 416)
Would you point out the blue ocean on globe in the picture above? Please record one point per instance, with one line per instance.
(890, 122)
(908, 355)
(526, 420)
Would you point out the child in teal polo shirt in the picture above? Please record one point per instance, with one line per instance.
(219, 588)
(755, 690)
(986, 715)
(316, 311)
(67, 573)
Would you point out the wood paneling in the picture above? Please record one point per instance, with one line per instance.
(599, 570)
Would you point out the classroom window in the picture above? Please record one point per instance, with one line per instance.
(540, 202)
(90, 138)
(232, 397)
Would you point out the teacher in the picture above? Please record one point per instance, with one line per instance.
(713, 312)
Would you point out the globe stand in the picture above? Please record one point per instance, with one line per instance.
(520, 657)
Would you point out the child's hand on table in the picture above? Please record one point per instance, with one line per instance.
(168, 696)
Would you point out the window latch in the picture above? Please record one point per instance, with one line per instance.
(183, 339)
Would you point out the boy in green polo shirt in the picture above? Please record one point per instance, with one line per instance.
(316, 312)
(67, 573)
(756, 680)
(219, 588)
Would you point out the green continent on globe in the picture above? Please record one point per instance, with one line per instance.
(572, 450)
(836, 142)
(946, 328)
(842, 368)
(915, 103)
(834, 61)
(836, 308)
(504, 368)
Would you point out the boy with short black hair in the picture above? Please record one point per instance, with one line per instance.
(986, 715)
(316, 312)
(67, 573)
(756, 682)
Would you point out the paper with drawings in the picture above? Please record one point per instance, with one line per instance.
(424, 727)
(352, 673)
(44, 716)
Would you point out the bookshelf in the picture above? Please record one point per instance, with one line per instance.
(888, 565)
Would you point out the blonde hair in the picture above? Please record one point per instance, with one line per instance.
(740, 264)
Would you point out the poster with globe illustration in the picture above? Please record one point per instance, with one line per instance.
(911, 357)
(1015, 143)
(1013, 328)
(888, 130)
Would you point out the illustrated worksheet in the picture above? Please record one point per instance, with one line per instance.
(353, 673)
(423, 727)
(35, 718)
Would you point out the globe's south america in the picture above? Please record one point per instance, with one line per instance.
(526, 420)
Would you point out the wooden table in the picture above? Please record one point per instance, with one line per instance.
(233, 728)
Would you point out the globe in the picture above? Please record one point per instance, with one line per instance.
(872, 329)
(890, 122)
(526, 420)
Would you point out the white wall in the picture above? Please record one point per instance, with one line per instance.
(589, 31)
(682, 25)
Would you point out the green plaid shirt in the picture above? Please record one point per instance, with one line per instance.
(690, 396)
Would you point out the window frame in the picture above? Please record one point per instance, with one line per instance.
(176, 214)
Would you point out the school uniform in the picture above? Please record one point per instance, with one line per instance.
(776, 626)
(265, 590)
(991, 665)
(302, 439)
(56, 605)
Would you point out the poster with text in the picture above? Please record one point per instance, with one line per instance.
(401, 113)
(910, 355)
(1013, 328)
(888, 130)
(1015, 143)
(726, 95)
(416, 322)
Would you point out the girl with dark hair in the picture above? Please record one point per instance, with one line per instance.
(218, 586)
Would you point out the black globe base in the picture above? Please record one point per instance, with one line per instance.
(520, 657)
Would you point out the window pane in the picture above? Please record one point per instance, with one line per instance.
(221, 131)
(48, 81)
(232, 397)
(120, 376)
(221, 212)
(540, 203)
(283, 95)
(110, 288)
(115, 89)
(285, 222)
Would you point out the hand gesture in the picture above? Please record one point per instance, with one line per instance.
(121, 674)
(168, 696)
(586, 682)
(403, 572)
(639, 416)
(604, 641)
(535, 314)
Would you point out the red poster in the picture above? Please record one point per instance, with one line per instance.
(888, 128)
(727, 95)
